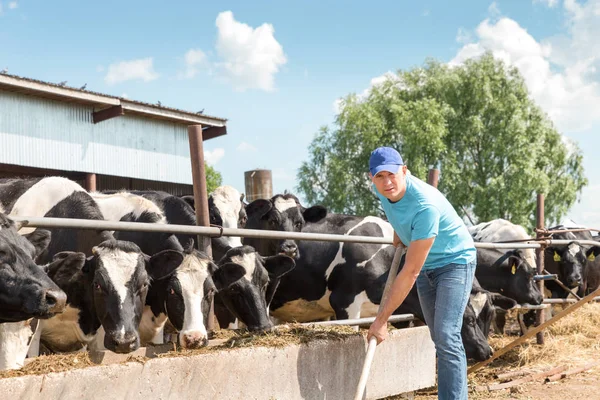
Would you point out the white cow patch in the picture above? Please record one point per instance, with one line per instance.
(115, 206)
(120, 267)
(574, 249)
(478, 301)
(41, 197)
(500, 230)
(227, 200)
(248, 261)
(385, 227)
(192, 274)
(282, 204)
(151, 326)
(14, 338)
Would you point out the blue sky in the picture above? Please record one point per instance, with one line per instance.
(275, 69)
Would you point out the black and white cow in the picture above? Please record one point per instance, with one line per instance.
(342, 280)
(251, 312)
(257, 287)
(569, 262)
(128, 207)
(509, 272)
(26, 291)
(53, 197)
(106, 294)
(280, 213)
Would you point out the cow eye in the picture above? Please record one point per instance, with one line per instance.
(298, 225)
(143, 287)
(273, 223)
(172, 292)
(97, 287)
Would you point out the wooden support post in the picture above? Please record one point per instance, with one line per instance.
(90, 182)
(433, 177)
(200, 196)
(539, 314)
(534, 331)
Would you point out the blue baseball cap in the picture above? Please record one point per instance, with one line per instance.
(385, 159)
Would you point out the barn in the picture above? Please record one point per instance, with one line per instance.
(103, 142)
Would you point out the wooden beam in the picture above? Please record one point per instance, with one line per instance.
(213, 132)
(107, 113)
(534, 331)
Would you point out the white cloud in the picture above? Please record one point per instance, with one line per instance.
(569, 93)
(124, 95)
(549, 3)
(214, 156)
(12, 5)
(100, 68)
(282, 174)
(194, 60)
(587, 211)
(426, 13)
(245, 147)
(250, 57)
(130, 70)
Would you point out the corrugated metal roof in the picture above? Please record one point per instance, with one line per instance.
(54, 91)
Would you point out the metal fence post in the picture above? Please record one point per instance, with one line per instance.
(539, 317)
(200, 196)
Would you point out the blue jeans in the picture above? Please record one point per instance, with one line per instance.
(444, 294)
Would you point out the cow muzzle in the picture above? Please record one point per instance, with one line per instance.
(290, 249)
(193, 340)
(126, 344)
(56, 301)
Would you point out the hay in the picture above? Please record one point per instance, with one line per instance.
(51, 363)
(283, 336)
(571, 341)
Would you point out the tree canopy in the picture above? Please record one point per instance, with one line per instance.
(495, 148)
(213, 178)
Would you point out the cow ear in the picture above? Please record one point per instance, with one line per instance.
(163, 264)
(227, 274)
(259, 208)
(66, 263)
(592, 253)
(501, 301)
(190, 200)
(279, 265)
(40, 239)
(314, 213)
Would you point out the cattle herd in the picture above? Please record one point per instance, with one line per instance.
(67, 290)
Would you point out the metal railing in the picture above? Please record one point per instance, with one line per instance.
(87, 224)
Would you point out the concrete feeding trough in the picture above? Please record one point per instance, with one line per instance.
(321, 369)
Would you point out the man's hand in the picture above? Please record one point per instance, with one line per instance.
(378, 330)
(397, 242)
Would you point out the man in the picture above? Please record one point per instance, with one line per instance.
(440, 257)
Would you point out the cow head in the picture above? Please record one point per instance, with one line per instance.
(188, 294)
(569, 262)
(249, 297)
(510, 274)
(280, 213)
(115, 282)
(477, 319)
(25, 289)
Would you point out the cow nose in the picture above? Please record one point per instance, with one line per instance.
(193, 340)
(56, 301)
(289, 248)
(126, 345)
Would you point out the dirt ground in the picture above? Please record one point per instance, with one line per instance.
(572, 342)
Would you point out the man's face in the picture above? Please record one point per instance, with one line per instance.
(390, 185)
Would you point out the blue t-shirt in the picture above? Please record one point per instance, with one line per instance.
(423, 213)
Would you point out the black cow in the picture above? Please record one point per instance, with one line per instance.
(509, 272)
(25, 290)
(257, 286)
(568, 262)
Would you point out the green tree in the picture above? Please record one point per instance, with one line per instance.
(494, 146)
(213, 178)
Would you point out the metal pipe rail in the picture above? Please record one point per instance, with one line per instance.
(360, 321)
(73, 223)
(565, 301)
